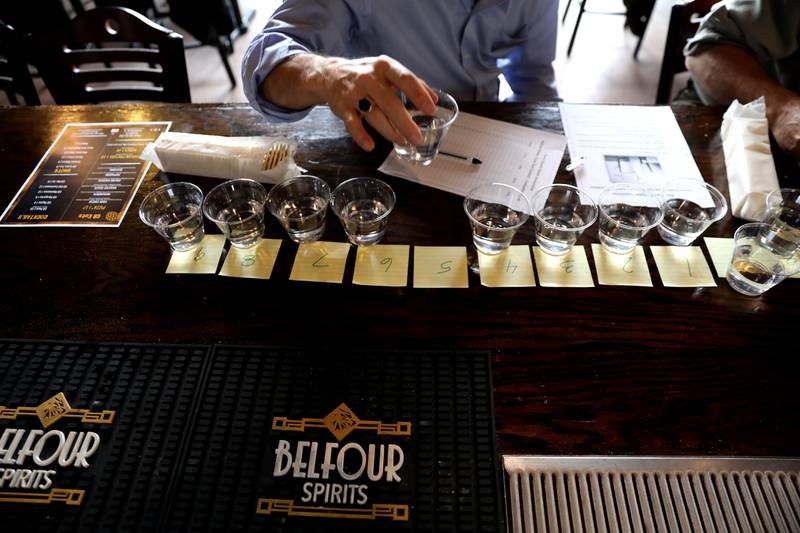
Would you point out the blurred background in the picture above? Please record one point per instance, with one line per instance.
(600, 68)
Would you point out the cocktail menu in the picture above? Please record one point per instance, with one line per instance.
(87, 177)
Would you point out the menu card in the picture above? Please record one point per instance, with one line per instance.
(88, 176)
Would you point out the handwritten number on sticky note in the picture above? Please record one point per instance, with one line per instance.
(248, 260)
(199, 254)
(628, 266)
(317, 264)
(388, 262)
(511, 267)
(445, 266)
(689, 266)
(568, 265)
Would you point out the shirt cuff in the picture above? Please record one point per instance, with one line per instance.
(259, 60)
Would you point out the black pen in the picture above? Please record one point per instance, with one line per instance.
(467, 159)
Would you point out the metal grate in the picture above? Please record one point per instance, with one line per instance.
(633, 494)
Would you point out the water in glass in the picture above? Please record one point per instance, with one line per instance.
(363, 221)
(621, 227)
(243, 225)
(495, 228)
(558, 233)
(683, 221)
(182, 226)
(303, 217)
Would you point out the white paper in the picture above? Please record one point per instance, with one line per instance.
(628, 144)
(748, 158)
(215, 156)
(522, 157)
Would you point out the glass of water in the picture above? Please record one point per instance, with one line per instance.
(627, 212)
(782, 234)
(754, 268)
(363, 205)
(561, 214)
(300, 205)
(496, 211)
(174, 211)
(690, 206)
(433, 128)
(237, 208)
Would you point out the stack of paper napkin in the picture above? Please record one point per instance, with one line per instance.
(222, 157)
(748, 158)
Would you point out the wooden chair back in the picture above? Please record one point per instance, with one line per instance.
(15, 77)
(683, 22)
(111, 54)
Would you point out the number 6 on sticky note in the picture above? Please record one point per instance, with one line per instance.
(382, 265)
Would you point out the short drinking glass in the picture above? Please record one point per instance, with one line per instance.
(363, 205)
(755, 268)
(496, 211)
(300, 204)
(690, 206)
(782, 234)
(174, 211)
(433, 128)
(237, 208)
(561, 214)
(627, 213)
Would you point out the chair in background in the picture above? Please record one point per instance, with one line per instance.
(637, 16)
(113, 53)
(683, 22)
(15, 76)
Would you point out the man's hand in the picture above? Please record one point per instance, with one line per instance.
(784, 121)
(726, 72)
(304, 80)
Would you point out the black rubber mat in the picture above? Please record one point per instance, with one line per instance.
(436, 407)
(186, 438)
(139, 400)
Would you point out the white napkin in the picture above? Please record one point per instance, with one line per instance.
(220, 157)
(748, 158)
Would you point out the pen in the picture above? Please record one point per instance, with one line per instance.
(468, 159)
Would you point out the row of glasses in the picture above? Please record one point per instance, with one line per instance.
(363, 206)
(175, 211)
(627, 212)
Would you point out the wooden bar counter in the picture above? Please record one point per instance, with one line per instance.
(608, 370)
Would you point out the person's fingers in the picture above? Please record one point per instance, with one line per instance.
(352, 121)
(393, 110)
(381, 123)
(414, 88)
(433, 94)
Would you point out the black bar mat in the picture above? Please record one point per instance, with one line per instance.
(136, 399)
(436, 408)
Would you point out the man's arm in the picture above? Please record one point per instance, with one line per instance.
(304, 80)
(529, 68)
(727, 72)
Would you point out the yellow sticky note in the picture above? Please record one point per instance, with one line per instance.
(320, 261)
(383, 265)
(616, 269)
(440, 267)
(682, 266)
(568, 270)
(721, 251)
(201, 260)
(510, 268)
(253, 262)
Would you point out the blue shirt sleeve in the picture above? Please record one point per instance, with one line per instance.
(529, 67)
(296, 27)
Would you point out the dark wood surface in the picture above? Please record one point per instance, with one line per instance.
(609, 370)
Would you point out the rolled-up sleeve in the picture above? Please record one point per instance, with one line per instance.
(767, 28)
(529, 67)
(296, 27)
